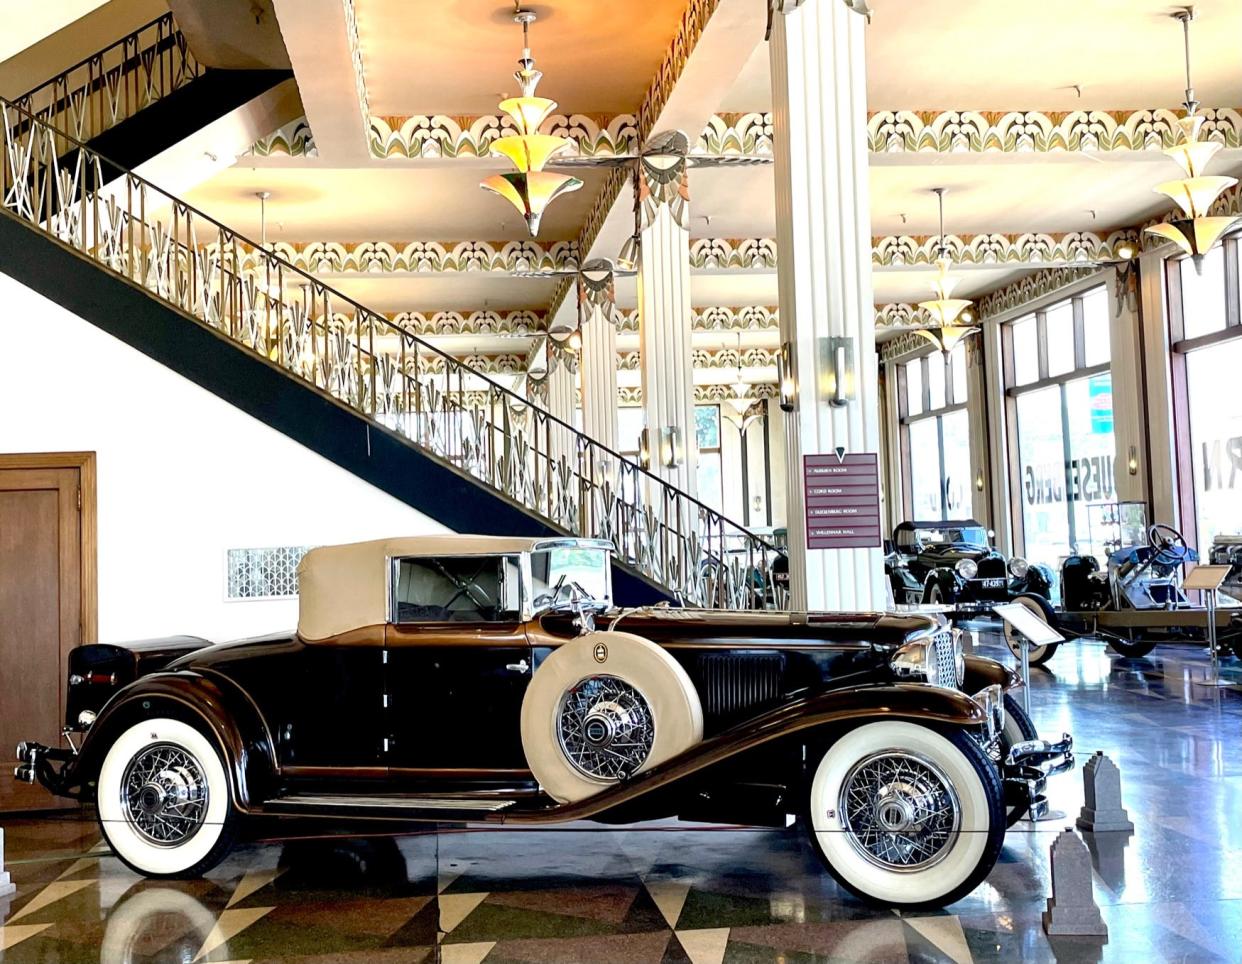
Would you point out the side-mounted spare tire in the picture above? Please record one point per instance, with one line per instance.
(602, 708)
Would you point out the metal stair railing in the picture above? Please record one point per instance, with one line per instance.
(115, 83)
(380, 370)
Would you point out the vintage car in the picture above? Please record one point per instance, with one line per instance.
(1137, 602)
(464, 679)
(953, 563)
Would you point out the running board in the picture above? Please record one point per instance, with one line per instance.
(405, 807)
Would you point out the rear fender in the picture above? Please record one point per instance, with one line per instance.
(809, 720)
(213, 704)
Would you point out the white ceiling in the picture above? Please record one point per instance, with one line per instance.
(457, 56)
(1009, 55)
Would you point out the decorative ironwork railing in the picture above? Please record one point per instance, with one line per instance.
(115, 83)
(270, 308)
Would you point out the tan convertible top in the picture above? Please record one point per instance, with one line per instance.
(342, 588)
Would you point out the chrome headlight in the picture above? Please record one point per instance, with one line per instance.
(915, 660)
(967, 568)
(936, 659)
(1018, 567)
(86, 718)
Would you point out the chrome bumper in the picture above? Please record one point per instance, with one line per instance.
(35, 766)
(1026, 768)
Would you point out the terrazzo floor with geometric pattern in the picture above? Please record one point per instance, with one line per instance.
(1169, 891)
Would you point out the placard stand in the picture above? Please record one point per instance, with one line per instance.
(1030, 629)
(1207, 580)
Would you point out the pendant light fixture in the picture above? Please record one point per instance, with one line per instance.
(530, 188)
(1195, 232)
(948, 328)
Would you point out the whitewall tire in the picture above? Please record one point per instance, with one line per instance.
(603, 707)
(905, 816)
(163, 800)
(1036, 655)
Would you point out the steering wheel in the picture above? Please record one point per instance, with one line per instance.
(1169, 544)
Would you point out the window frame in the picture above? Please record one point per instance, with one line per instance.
(905, 420)
(1013, 391)
(521, 559)
(1179, 348)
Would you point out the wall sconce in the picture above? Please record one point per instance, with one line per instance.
(644, 448)
(671, 454)
(1132, 461)
(979, 480)
(787, 378)
(837, 370)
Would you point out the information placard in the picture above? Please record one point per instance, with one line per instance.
(1206, 578)
(842, 501)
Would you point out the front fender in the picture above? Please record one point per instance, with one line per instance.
(213, 704)
(808, 717)
(982, 672)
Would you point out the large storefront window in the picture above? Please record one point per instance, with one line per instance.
(1061, 400)
(1205, 314)
(936, 435)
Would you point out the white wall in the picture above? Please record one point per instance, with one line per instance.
(183, 476)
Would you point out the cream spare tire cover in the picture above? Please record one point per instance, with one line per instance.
(676, 716)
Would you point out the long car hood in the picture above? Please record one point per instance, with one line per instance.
(660, 624)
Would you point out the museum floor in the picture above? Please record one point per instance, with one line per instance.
(1172, 891)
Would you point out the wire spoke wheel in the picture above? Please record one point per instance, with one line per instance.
(605, 728)
(164, 794)
(900, 811)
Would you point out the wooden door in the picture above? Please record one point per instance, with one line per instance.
(46, 601)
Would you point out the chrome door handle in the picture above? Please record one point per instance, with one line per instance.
(520, 667)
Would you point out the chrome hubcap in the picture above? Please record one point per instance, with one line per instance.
(900, 810)
(164, 794)
(605, 728)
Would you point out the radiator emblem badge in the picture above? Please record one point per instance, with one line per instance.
(601, 653)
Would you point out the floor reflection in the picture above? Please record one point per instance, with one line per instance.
(1168, 891)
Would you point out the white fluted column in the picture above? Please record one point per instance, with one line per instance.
(823, 219)
(597, 325)
(664, 322)
(562, 375)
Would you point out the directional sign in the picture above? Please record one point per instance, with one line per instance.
(842, 500)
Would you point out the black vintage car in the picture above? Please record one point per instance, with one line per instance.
(948, 563)
(466, 679)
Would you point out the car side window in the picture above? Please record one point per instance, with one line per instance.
(456, 589)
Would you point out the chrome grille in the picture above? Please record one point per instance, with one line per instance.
(946, 658)
(732, 683)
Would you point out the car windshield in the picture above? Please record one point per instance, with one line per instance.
(954, 535)
(563, 574)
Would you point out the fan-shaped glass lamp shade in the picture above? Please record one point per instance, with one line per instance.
(627, 259)
(946, 337)
(1196, 195)
(531, 192)
(945, 311)
(1194, 236)
(1193, 156)
(529, 152)
(528, 113)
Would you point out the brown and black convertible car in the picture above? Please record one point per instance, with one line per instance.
(463, 679)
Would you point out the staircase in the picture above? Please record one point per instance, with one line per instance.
(139, 96)
(344, 381)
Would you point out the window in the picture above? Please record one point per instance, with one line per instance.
(563, 573)
(1025, 350)
(1061, 403)
(1205, 315)
(264, 573)
(457, 589)
(707, 437)
(937, 437)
